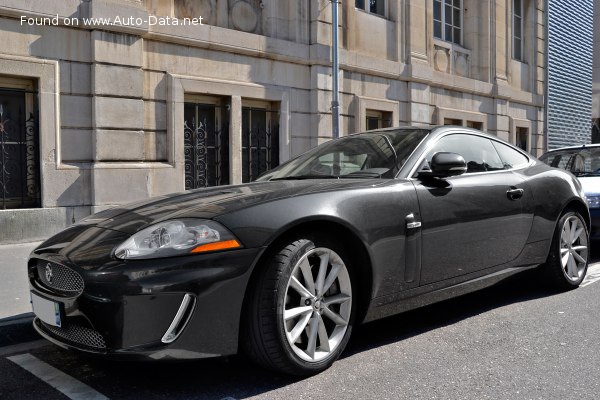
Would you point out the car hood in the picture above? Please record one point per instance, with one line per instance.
(212, 202)
(590, 184)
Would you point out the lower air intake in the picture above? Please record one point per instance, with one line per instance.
(76, 335)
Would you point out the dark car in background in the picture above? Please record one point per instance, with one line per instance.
(356, 229)
(583, 162)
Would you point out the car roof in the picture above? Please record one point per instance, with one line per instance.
(437, 130)
(432, 129)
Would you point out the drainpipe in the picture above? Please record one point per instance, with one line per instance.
(335, 73)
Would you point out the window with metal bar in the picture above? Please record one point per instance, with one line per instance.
(447, 20)
(260, 141)
(19, 148)
(206, 145)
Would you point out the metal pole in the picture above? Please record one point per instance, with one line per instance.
(335, 72)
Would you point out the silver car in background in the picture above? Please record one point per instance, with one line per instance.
(583, 162)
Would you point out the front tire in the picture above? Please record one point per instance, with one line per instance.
(301, 310)
(568, 258)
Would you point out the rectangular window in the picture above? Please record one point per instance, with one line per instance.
(475, 125)
(206, 143)
(452, 121)
(19, 145)
(518, 30)
(447, 20)
(522, 138)
(372, 6)
(260, 140)
(378, 119)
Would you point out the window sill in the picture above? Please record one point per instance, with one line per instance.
(450, 45)
(519, 61)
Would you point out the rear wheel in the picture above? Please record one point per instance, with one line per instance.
(568, 258)
(300, 314)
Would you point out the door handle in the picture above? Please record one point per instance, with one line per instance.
(411, 222)
(514, 193)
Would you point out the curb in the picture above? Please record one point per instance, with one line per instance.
(17, 329)
(21, 319)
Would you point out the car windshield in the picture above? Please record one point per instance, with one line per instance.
(376, 154)
(581, 162)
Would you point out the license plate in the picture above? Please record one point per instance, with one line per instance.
(46, 310)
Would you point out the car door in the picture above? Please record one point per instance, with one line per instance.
(472, 221)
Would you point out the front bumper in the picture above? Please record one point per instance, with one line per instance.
(595, 216)
(126, 307)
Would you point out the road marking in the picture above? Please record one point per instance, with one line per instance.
(62, 382)
(593, 275)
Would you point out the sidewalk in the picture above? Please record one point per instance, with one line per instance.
(14, 285)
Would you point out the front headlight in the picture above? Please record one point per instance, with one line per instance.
(593, 201)
(177, 237)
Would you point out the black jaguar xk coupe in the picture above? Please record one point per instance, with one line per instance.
(356, 229)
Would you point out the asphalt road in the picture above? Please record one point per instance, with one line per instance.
(513, 341)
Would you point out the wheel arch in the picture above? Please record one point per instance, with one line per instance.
(361, 259)
(576, 204)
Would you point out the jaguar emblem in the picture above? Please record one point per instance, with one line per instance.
(49, 276)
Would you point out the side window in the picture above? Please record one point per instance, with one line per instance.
(478, 152)
(510, 157)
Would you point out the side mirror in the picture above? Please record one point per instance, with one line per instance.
(444, 165)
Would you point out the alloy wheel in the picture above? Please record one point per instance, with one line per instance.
(573, 248)
(318, 304)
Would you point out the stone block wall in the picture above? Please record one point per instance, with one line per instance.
(111, 97)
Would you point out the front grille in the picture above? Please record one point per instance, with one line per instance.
(59, 278)
(76, 335)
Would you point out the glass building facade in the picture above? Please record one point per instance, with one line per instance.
(570, 39)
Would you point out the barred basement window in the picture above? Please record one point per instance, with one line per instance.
(447, 20)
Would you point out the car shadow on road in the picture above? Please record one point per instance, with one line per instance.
(522, 287)
(237, 377)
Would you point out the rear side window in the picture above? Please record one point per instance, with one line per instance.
(510, 157)
(478, 152)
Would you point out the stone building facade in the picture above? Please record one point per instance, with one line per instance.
(112, 113)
